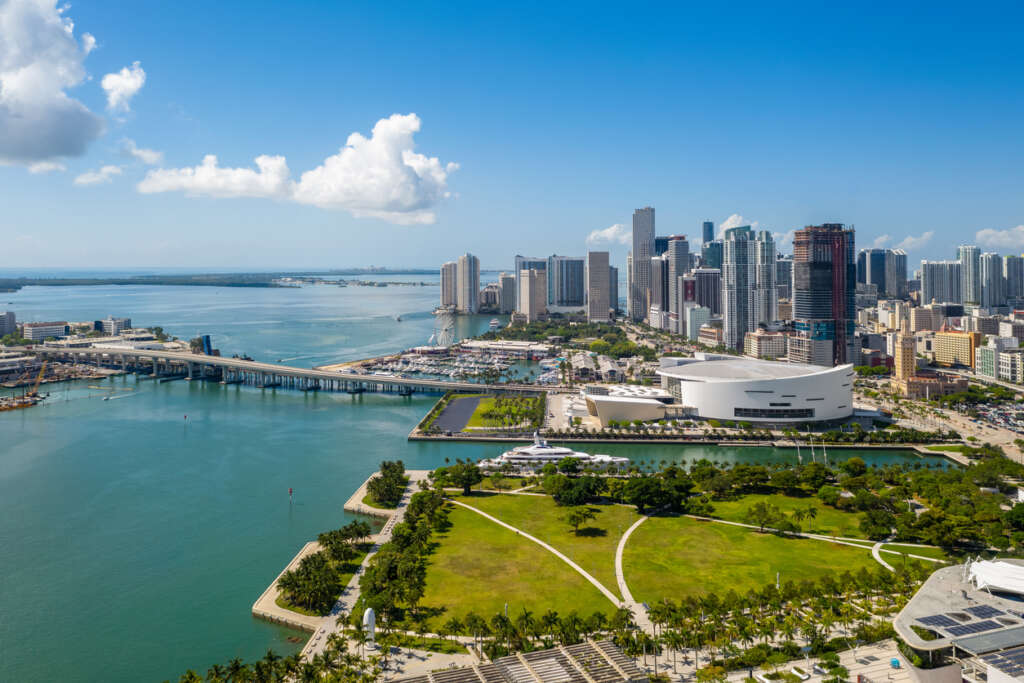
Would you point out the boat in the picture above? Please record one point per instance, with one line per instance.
(398, 318)
(495, 324)
(540, 452)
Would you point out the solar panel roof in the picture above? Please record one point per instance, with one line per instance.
(973, 627)
(937, 620)
(984, 611)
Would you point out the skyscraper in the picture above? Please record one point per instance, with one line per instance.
(613, 288)
(940, 282)
(711, 254)
(895, 273)
(598, 287)
(566, 285)
(660, 244)
(1013, 276)
(449, 284)
(824, 290)
(993, 291)
(533, 293)
(708, 289)
(507, 300)
(659, 293)
(678, 256)
(784, 276)
(970, 273)
(707, 232)
(643, 250)
(748, 283)
(468, 281)
(873, 269)
(526, 263)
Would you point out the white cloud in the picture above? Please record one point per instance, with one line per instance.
(146, 156)
(121, 86)
(210, 179)
(735, 221)
(911, 243)
(46, 167)
(88, 42)
(1011, 238)
(782, 240)
(881, 241)
(380, 176)
(39, 60)
(104, 175)
(613, 234)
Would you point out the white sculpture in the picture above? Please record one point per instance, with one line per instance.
(369, 622)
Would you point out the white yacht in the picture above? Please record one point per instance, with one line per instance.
(540, 452)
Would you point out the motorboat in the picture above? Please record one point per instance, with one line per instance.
(540, 452)
(495, 324)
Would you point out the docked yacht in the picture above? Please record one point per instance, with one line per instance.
(540, 453)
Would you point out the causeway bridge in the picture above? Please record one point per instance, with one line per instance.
(169, 365)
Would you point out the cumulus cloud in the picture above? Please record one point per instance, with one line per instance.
(911, 242)
(39, 60)
(88, 42)
(1011, 238)
(146, 156)
(783, 240)
(735, 221)
(103, 175)
(121, 86)
(380, 176)
(46, 167)
(881, 241)
(613, 234)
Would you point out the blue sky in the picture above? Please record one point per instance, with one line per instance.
(561, 118)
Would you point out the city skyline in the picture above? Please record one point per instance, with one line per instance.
(921, 154)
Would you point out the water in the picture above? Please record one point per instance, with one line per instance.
(134, 541)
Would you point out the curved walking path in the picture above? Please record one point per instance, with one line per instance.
(640, 614)
(583, 572)
(878, 556)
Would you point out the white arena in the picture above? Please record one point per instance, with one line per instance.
(713, 386)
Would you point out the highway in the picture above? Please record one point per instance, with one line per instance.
(264, 373)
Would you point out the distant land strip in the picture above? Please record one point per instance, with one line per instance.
(197, 280)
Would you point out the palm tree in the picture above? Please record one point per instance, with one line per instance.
(190, 676)
(811, 513)
(216, 673)
(675, 641)
(237, 670)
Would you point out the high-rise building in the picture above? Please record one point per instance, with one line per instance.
(449, 284)
(533, 293)
(708, 289)
(707, 232)
(660, 244)
(658, 312)
(113, 326)
(8, 323)
(1013, 276)
(527, 263)
(696, 317)
(640, 274)
(748, 283)
(956, 347)
(784, 276)
(896, 273)
(940, 282)
(993, 291)
(905, 358)
(599, 290)
(824, 295)
(678, 258)
(613, 288)
(566, 286)
(711, 254)
(872, 267)
(970, 273)
(507, 300)
(468, 280)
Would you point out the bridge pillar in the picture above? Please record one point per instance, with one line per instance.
(190, 370)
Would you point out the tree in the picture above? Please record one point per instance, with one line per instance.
(762, 514)
(579, 515)
(465, 474)
(643, 492)
(569, 465)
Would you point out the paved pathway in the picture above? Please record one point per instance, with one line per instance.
(583, 572)
(640, 614)
(328, 625)
(875, 553)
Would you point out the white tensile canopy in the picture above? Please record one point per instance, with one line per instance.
(998, 576)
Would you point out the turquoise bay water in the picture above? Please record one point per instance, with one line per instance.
(134, 541)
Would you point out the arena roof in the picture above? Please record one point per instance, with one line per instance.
(739, 369)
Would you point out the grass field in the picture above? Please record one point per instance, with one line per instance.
(368, 499)
(477, 419)
(672, 557)
(830, 522)
(913, 550)
(593, 548)
(479, 566)
(954, 448)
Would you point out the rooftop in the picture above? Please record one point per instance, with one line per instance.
(739, 369)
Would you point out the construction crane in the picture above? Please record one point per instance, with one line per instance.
(39, 378)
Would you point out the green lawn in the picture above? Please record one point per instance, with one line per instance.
(368, 499)
(671, 557)
(593, 548)
(956, 448)
(478, 566)
(477, 419)
(937, 553)
(829, 522)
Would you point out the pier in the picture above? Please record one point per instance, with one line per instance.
(159, 363)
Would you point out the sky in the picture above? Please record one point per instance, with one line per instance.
(272, 135)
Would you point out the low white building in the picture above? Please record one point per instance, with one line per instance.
(625, 402)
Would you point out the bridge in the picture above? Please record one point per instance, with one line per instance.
(168, 365)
